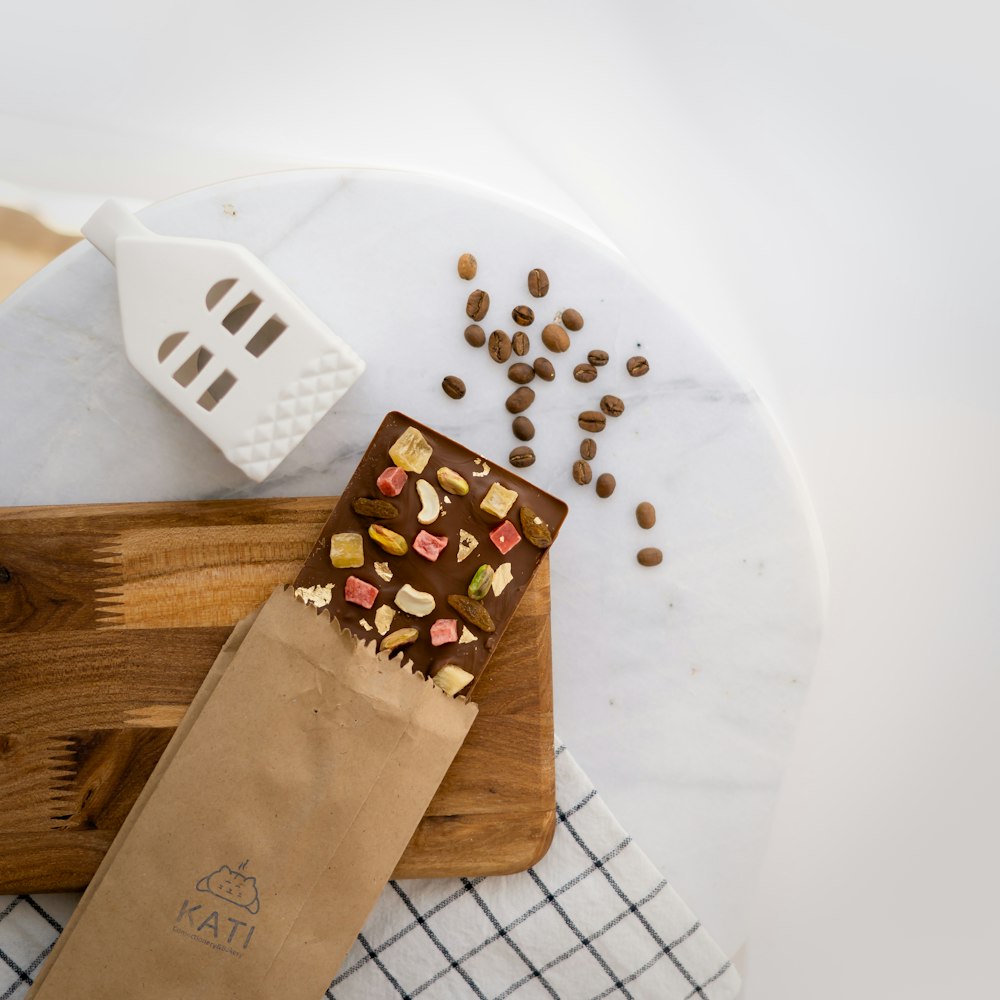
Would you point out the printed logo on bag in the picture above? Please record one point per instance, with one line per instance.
(216, 928)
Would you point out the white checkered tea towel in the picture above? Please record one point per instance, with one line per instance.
(593, 919)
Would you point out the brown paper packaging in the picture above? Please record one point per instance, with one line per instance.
(270, 826)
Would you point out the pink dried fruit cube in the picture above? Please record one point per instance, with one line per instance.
(430, 546)
(504, 536)
(392, 481)
(358, 591)
(444, 630)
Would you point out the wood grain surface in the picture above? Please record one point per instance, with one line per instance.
(110, 617)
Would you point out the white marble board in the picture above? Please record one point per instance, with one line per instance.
(677, 688)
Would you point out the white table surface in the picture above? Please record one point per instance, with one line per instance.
(813, 186)
(676, 687)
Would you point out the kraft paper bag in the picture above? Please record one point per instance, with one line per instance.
(271, 824)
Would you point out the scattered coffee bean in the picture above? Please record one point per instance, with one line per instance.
(538, 282)
(582, 472)
(612, 406)
(543, 369)
(649, 557)
(523, 315)
(520, 399)
(453, 386)
(522, 457)
(467, 266)
(588, 449)
(598, 358)
(478, 305)
(475, 335)
(572, 320)
(500, 346)
(592, 421)
(555, 338)
(520, 373)
(637, 366)
(605, 485)
(523, 428)
(520, 343)
(585, 373)
(645, 514)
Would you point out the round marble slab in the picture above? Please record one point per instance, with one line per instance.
(676, 687)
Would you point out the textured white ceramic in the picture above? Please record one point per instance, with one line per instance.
(219, 336)
(677, 688)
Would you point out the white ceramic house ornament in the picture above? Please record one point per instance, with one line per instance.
(223, 339)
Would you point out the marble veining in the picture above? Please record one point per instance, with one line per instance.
(677, 688)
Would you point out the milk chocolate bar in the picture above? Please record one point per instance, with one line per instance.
(429, 550)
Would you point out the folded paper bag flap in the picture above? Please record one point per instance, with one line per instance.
(257, 856)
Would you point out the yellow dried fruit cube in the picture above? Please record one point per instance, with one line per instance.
(347, 550)
(498, 500)
(411, 451)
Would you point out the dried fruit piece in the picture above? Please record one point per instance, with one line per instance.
(498, 500)
(535, 529)
(411, 450)
(467, 541)
(452, 482)
(430, 510)
(382, 568)
(429, 546)
(347, 550)
(444, 630)
(358, 591)
(393, 543)
(414, 602)
(504, 536)
(367, 507)
(479, 585)
(383, 618)
(391, 482)
(398, 639)
(472, 611)
(452, 679)
(318, 596)
(501, 579)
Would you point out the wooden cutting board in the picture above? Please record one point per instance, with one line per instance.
(110, 617)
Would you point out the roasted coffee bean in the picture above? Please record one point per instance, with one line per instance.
(453, 386)
(520, 343)
(612, 406)
(592, 421)
(605, 485)
(523, 315)
(543, 369)
(500, 346)
(522, 457)
(555, 338)
(588, 449)
(467, 266)
(649, 557)
(637, 366)
(538, 282)
(582, 472)
(478, 305)
(572, 320)
(523, 428)
(585, 373)
(598, 358)
(475, 335)
(645, 514)
(520, 399)
(520, 373)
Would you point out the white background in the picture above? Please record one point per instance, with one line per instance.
(815, 186)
